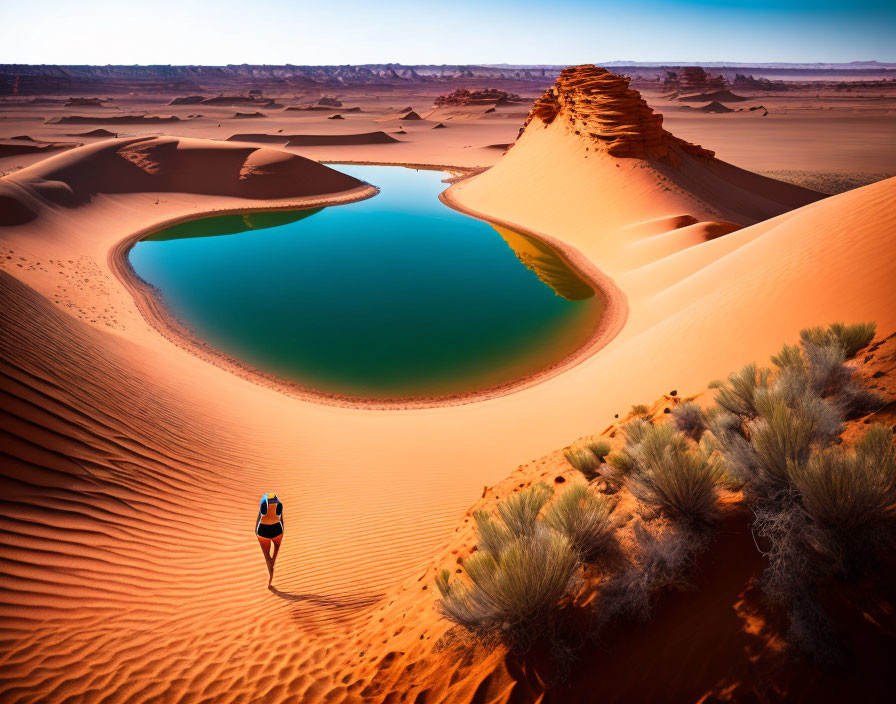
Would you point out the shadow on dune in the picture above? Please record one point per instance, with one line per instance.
(338, 605)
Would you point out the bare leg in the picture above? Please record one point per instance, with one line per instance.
(268, 560)
(276, 542)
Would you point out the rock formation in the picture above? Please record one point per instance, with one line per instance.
(236, 100)
(717, 95)
(187, 100)
(715, 107)
(86, 103)
(484, 96)
(749, 83)
(692, 79)
(600, 107)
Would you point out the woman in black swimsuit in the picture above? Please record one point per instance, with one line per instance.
(269, 529)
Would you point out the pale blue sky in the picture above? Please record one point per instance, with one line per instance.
(450, 31)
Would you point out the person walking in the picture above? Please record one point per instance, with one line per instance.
(269, 530)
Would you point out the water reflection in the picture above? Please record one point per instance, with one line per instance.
(548, 266)
(231, 224)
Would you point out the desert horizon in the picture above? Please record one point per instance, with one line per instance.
(534, 381)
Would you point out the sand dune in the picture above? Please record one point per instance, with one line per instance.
(99, 132)
(655, 227)
(187, 100)
(33, 147)
(132, 465)
(315, 140)
(169, 164)
(312, 108)
(459, 113)
(410, 115)
(119, 120)
(715, 107)
(725, 96)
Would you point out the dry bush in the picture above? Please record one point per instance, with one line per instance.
(599, 448)
(621, 462)
(512, 596)
(518, 576)
(736, 396)
(634, 431)
(520, 511)
(584, 519)
(662, 560)
(780, 437)
(789, 356)
(823, 513)
(688, 417)
(675, 479)
(584, 460)
(493, 536)
(849, 499)
(850, 338)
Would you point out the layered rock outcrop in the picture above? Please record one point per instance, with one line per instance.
(692, 79)
(762, 83)
(484, 96)
(599, 106)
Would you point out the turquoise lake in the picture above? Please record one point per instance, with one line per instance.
(397, 296)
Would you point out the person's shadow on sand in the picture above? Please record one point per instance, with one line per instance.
(344, 605)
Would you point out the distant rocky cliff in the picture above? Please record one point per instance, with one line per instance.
(21, 79)
(25, 79)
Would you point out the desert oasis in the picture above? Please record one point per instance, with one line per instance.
(534, 382)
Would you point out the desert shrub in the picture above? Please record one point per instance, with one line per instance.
(520, 511)
(599, 448)
(876, 446)
(584, 519)
(850, 338)
(584, 460)
(855, 337)
(854, 401)
(835, 523)
(825, 371)
(781, 437)
(825, 375)
(848, 497)
(789, 356)
(736, 396)
(517, 577)
(670, 476)
(639, 409)
(493, 536)
(688, 417)
(822, 513)
(661, 561)
(635, 430)
(622, 462)
(514, 595)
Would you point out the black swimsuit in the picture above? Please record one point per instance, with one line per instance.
(269, 530)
